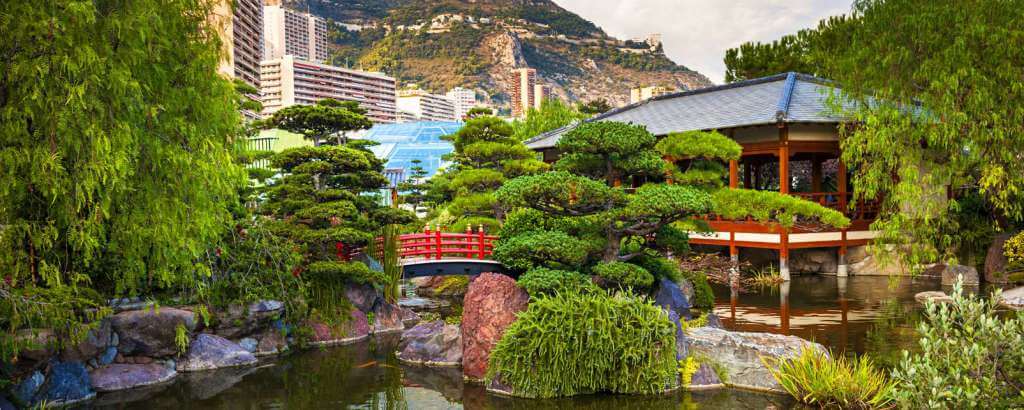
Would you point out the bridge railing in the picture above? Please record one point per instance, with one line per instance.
(434, 244)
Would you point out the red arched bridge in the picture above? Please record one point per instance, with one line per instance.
(434, 253)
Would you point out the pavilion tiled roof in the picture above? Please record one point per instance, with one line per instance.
(782, 98)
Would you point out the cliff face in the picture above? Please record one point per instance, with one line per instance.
(476, 43)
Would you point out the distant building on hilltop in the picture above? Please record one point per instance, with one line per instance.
(288, 81)
(425, 106)
(526, 93)
(464, 99)
(241, 29)
(291, 32)
(644, 93)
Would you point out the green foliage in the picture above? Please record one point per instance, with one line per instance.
(619, 344)
(934, 123)
(594, 107)
(473, 205)
(553, 114)
(559, 193)
(477, 180)
(552, 249)
(453, 285)
(817, 378)
(798, 52)
(543, 281)
(765, 206)
(116, 139)
(703, 295)
(624, 275)
(609, 150)
(181, 339)
(479, 112)
(1013, 249)
(687, 368)
(658, 266)
(322, 120)
(698, 144)
(969, 355)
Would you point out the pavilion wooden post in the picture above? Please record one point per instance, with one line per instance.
(784, 189)
(816, 178)
(734, 174)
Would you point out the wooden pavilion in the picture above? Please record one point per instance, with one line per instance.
(790, 144)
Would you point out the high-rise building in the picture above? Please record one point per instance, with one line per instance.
(643, 93)
(464, 99)
(288, 81)
(292, 32)
(526, 93)
(426, 106)
(241, 29)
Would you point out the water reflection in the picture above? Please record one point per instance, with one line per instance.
(848, 315)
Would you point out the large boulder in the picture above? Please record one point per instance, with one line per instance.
(814, 261)
(670, 297)
(271, 342)
(950, 273)
(150, 332)
(934, 296)
(25, 392)
(387, 317)
(432, 343)
(363, 297)
(996, 261)
(355, 329)
(208, 352)
(96, 342)
(704, 378)
(739, 354)
(1013, 298)
(115, 377)
(66, 383)
(40, 344)
(490, 305)
(237, 321)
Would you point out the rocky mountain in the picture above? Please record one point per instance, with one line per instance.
(442, 44)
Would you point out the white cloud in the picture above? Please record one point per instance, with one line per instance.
(696, 33)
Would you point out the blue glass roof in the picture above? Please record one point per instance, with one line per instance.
(402, 143)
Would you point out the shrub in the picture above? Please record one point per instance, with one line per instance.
(490, 225)
(1014, 251)
(969, 355)
(814, 377)
(619, 344)
(625, 275)
(543, 281)
(659, 267)
(555, 250)
(703, 296)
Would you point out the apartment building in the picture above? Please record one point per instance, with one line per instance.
(425, 106)
(526, 92)
(464, 100)
(241, 31)
(287, 81)
(644, 93)
(292, 32)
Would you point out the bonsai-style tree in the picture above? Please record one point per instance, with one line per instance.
(486, 154)
(478, 112)
(594, 107)
(580, 217)
(319, 122)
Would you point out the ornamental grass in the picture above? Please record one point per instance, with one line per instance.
(816, 378)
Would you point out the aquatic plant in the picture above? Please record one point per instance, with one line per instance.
(764, 277)
(970, 354)
(817, 378)
(614, 343)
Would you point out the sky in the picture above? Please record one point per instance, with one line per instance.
(696, 33)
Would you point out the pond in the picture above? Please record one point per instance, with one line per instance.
(858, 314)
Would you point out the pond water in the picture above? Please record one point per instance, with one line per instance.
(858, 314)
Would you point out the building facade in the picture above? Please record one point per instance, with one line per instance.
(464, 100)
(288, 81)
(526, 92)
(241, 30)
(644, 93)
(424, 106)
(291, 32)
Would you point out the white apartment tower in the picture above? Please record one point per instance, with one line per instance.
(287, 81)
(464, 99)
(425, 106)
(291, 32)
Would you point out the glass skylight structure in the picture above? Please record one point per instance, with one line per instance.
(400, 144)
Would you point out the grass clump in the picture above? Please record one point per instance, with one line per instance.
(763, 278)
(576, 343)
(543, 281)
(816, 378)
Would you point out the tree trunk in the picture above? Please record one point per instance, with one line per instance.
(613, 247)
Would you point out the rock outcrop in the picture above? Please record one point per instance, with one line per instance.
(950, 273)
(66, 383)
(704, 378)
(387, 317)
(150, 332)
(357, 328)
(814, 261)
(1013, 298)
(490, 305)
(932, 295)
(740, 353)
(432, 343)
(238, 321)
(207, 352)
(670, 297)
(115, 377)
